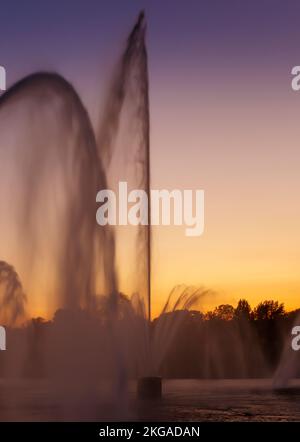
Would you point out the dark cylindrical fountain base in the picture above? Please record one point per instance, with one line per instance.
(149, 387)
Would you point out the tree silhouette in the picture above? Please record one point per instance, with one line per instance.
(268, 310)
(243, 310)
(227, 342)
(224, 312)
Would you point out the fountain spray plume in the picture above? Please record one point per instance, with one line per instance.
(12, 296)
(53, 173)
(129, 92)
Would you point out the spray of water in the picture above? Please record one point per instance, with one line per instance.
(53, 163)
(13, 298)
(54, 168)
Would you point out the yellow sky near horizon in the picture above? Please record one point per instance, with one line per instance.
(241, 145)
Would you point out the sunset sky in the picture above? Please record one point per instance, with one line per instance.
(223, 119)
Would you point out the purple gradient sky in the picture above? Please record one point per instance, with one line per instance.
(223, 119)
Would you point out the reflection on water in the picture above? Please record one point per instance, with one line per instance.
(184, 400)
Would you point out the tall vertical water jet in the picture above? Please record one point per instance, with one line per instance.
(124, 146)
(123, 140)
